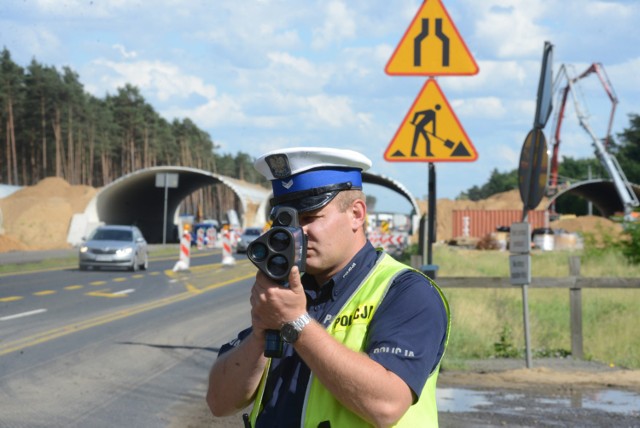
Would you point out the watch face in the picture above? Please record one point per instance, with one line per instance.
(289, 333)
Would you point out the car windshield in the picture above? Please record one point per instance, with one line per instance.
(112, 235)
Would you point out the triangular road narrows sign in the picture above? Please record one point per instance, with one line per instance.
(430, 132)
(431, 46)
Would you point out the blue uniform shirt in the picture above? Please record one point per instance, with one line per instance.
(406, 335)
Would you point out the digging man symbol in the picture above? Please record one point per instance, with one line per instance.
(424, 118)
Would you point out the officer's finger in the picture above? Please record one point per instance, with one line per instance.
(294, 279)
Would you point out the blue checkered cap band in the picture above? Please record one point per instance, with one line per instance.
(317, 179)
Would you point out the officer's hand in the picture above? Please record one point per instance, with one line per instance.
(272, 304)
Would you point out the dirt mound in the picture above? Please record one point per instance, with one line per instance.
(37, 217)
(599, 228)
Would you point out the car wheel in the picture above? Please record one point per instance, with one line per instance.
(145, 265)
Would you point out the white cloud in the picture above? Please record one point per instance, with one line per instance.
(479, 108)
(510, 26)
(34, 41)
(160, 79)
(331, 111)
(123, 51)
(338, 24)
(81, 8)
(223, 111)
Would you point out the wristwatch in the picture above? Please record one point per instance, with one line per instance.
(291, 330)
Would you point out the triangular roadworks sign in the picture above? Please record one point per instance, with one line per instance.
(430, 132)
(431, 46)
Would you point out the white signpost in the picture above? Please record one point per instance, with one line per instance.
(166, 180)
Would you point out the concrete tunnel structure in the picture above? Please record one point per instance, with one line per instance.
(135, 199)
(602, 193)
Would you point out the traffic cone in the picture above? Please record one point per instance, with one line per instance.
(227, 252)
(185, 252)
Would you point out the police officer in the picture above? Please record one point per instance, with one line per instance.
(364, 334)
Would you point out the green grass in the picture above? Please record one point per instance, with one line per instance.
(488, 322)
(155, 252)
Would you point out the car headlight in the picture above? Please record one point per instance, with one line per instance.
(84, 249)
(124, 251)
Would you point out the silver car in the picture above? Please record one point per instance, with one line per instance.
(115, 246)
(249, 234)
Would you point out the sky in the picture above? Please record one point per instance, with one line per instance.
(258, 75)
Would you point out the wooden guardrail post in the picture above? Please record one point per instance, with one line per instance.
(575, 303)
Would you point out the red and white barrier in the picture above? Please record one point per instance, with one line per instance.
(388, 241)
(211, 237)
(200, 239)
(185, 252)
(227, 251)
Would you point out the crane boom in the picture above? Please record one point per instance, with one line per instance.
(609, 162)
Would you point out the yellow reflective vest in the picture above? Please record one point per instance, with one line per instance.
(350, 328)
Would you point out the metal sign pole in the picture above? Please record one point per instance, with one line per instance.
(166, 199)
(432, 212)
(525, 308)
(166, 180)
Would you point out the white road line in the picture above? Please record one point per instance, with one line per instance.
(127, 291)
(23, 314)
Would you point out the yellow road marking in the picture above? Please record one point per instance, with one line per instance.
(10, 298)
(73, 287)
(104, 293)
(44, 293)
(137, 276)
(98, 283)
(55, 333)
(193, 289)
(119, 279)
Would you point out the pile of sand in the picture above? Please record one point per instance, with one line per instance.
(38, 217)
(600, 228)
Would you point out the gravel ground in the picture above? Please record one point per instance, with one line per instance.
(554, 392)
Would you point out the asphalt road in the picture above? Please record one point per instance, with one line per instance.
(115, 348)
(123, 349)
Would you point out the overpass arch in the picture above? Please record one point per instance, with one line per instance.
(135, 199)
(602, 193)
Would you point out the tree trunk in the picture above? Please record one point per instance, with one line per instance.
(70, 152)
(43, 124)
(57, 134)
(8, 151)
(92, 143)
(13, 142)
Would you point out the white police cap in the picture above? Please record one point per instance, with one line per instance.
(307, 178)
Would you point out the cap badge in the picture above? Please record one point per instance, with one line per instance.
(279, 166)
(287, 184)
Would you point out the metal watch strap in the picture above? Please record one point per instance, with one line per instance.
(301, 321)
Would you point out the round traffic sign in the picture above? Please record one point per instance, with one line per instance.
(532, 171)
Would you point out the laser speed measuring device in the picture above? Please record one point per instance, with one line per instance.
(275, 252)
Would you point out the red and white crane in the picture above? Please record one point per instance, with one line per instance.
(609, 162)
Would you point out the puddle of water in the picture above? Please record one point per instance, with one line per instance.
(613, 401)
(459, 400)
